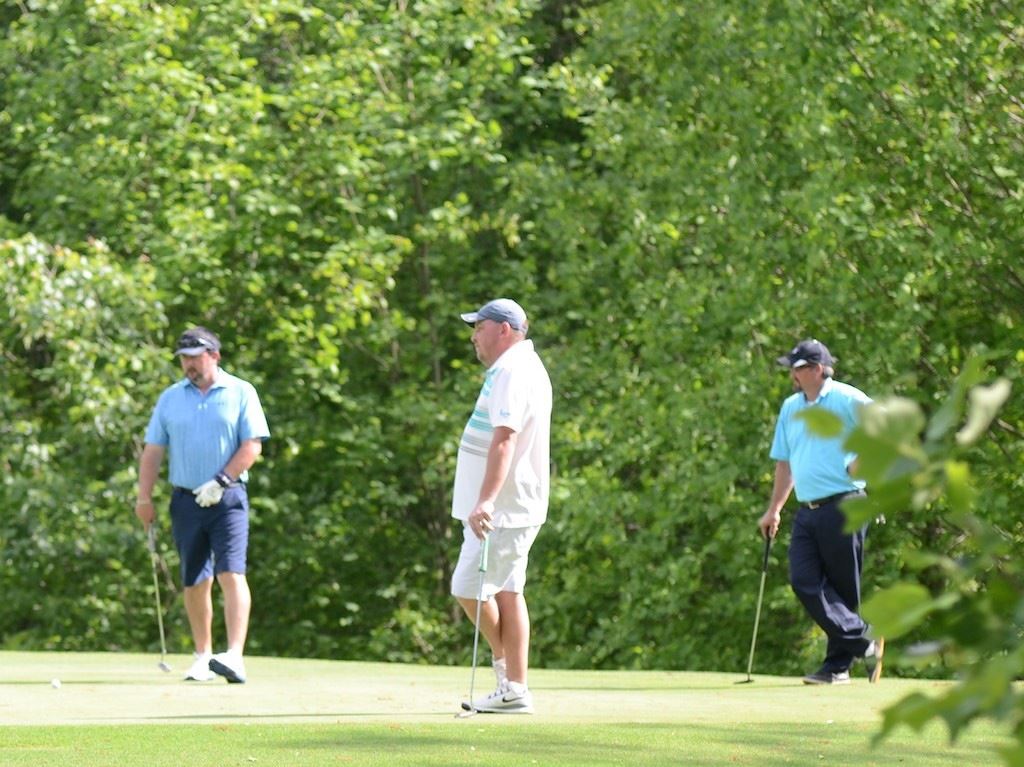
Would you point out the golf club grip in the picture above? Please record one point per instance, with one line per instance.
(484, 550)
(767, 550)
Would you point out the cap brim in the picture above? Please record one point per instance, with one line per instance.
(191, 351)
(470, 317)
(783, 360)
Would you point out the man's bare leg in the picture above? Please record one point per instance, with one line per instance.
(490, 622)
(237, 605)
(515, 633)
(199, 608)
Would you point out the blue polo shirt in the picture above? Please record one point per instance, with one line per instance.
(819, 464)
(202, 432)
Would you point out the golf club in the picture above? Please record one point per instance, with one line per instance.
(151, 544)
(467, 708)
(757, 615)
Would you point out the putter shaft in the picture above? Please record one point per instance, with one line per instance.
(159, 608)
(760, 598)
(476, 628)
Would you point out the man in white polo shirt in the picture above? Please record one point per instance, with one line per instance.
(501, 492)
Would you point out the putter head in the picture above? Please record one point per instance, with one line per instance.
(164, 667)
(466, 714)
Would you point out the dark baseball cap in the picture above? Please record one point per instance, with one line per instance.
(197, 340)
(499, 310)
(809, 352)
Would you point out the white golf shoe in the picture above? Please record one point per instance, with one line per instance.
(509, 698)
(229, 665)
(199, 671)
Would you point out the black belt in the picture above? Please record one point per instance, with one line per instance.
(178, 489)
(817, 504)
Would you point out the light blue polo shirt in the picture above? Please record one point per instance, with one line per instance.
(819, 464)
(202, 432)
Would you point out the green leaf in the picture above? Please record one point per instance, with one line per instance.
(881, 500)
(1012, 755)
(915, 711)
(898, 609)
(922, 559)
(986, 690)
(822, 422)
(958, 486)
(949, 414)
(897, 420)
(985, 402)
(887, 443)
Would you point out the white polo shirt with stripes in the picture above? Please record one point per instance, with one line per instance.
(516, 393)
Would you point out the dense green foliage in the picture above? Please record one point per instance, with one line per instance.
(675, 192)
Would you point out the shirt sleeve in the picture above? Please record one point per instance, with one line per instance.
(508, 401)
(780, 448)
(852, 407)
(252, 423)
(156, 432)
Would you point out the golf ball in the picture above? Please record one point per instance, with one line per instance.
(55, 684)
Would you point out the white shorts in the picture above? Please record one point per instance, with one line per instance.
(507, 554)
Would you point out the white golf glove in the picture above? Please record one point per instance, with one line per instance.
(209, 493)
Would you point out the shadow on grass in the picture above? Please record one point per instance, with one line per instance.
(646, 744)
(78, 682)
(303, 716)
(737, 686)
(478, 741)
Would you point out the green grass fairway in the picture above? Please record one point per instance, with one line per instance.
(120, 709)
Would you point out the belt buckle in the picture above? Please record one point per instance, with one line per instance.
(825, 501)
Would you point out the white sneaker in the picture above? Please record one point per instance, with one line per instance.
(509, 698)
(229, 665)
(199, 671)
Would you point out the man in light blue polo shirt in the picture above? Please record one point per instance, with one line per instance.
(825, 563)
(212, 425)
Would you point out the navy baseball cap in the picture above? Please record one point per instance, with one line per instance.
(499, 310)
(809, 352)
(197, 340)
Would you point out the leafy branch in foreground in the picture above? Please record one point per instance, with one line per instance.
(976, 620)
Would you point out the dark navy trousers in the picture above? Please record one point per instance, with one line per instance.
(825, 567)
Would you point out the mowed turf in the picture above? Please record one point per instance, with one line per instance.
(120, 709)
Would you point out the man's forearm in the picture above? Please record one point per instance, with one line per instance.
(149, 470)
(782, 486)
(244, 458)
(499, 461)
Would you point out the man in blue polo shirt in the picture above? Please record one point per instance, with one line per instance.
(212, 425)
(825, 563)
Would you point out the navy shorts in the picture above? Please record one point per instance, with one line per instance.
(211, 540)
